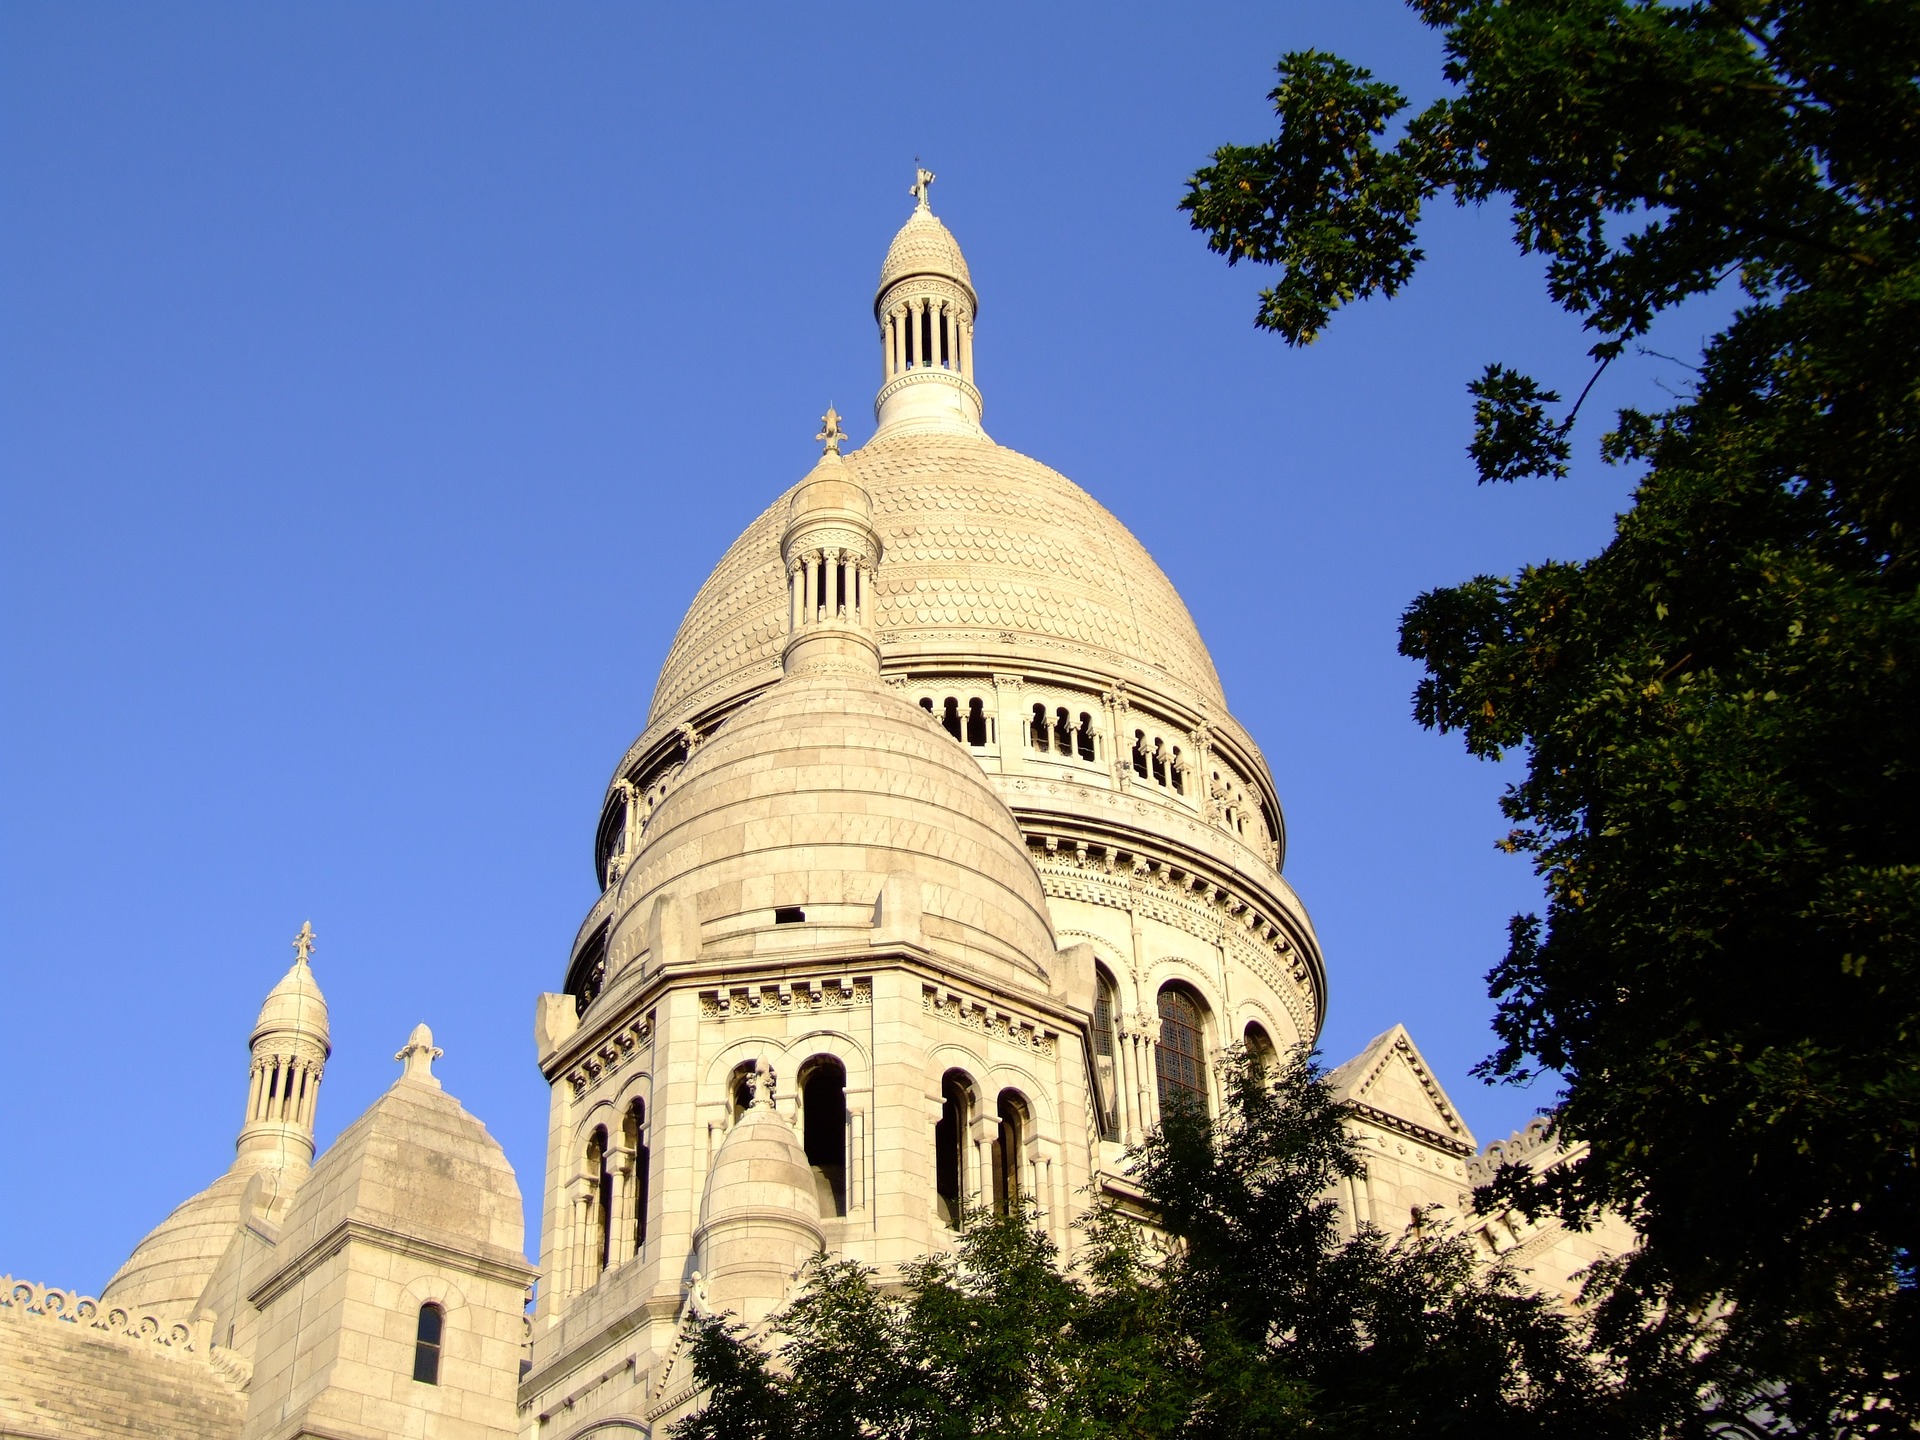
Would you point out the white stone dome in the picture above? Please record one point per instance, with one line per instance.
(924, 246)
(812, 797)
(991, 557)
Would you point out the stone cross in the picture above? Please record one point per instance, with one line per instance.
(922, 178)
(303, 942)
(830, 431)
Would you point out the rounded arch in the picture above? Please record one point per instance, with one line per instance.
(821, 1089)
(1196, 975)
(960, 1098)
(1015, 1117)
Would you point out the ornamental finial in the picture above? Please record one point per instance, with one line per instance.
(830, 431)
(922, 179)
(418, 1055)
(303, 943)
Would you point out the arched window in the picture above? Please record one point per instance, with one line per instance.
(1159, 763)
(949, 1148)
(602, 1236)
(1105, 1004)
(950, 717)
(823, 1115)
(1083, 737)
(976, 723)
(636, 1138)
(1177, 768)
(1140, 753)
(427, 1333)
(1180, 1056)
(1009, 1153)
(1038, 729)
(1260, 1047)
(1062, 731)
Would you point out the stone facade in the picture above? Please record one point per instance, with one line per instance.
(938, 868)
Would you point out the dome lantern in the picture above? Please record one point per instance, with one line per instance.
(925, 306)
(831, 553)
(290, 1044)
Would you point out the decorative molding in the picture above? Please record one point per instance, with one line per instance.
(985, 1019)
(798, 997)
(24, 1301)
(613, 1052)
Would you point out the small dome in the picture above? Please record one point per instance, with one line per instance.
(294, 1006)
(168, 1270)
(925, 247)
(807, 800)
(760, 1172)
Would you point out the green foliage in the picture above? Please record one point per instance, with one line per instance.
(1256, 1317)
(1718, 712)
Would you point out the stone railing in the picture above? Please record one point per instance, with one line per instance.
(22, 1299)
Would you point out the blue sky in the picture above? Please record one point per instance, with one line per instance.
(378, 382)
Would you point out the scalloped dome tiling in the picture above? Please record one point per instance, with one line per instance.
(924, 247)
(986, 553)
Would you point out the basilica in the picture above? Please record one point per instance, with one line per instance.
(940, 868)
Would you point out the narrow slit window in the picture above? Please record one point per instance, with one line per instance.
(427, 1335)
(788, 915)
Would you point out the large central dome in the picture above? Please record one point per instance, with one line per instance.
(988, 554)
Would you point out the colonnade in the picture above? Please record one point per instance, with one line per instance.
(925, 332)
(828, 586)
(284, 1089)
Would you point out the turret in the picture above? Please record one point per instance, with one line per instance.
(831, 552)
(290, 1045)
(925, 307)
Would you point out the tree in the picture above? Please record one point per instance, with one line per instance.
(1257, 1316)
(1718, 712)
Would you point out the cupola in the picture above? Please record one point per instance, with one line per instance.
(831, 552)
(290, 1044)
(925, 306)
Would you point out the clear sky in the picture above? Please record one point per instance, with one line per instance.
(378, 382)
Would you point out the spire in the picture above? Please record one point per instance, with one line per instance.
(290, 1044)
(925, 307)
(832, 553)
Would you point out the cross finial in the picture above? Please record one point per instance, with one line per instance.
(830, 431)
(922, 179)
(303, 943)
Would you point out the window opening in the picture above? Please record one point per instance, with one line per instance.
(1159, 763)
(976, 723)
(636, 1138)
(1260, 1048)
(788, 915)
(823, 1113)
(1083, 738)
(427, 1334)
(1009, 1153)
(949, 1157)
(601, 1238)
(1104, 1005)
(1140, 753)
(1062, 732)
(1038, 728)
(1180, 1054)
(951, 717)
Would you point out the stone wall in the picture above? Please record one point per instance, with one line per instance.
(71, 1369)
